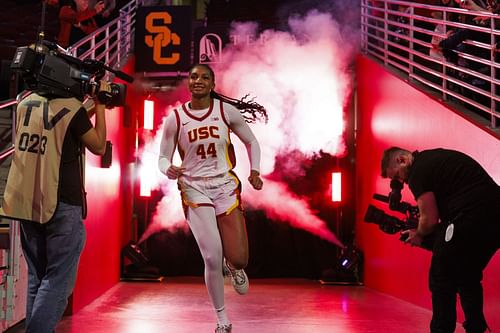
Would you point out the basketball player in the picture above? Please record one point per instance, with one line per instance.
(210, 190)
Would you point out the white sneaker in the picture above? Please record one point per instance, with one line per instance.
(223, 328)
(239, 278)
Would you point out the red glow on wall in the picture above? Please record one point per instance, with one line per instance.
(336, 186)
(149, 110)
(420, 126)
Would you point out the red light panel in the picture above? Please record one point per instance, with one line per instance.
(149, 110)
(336, 186)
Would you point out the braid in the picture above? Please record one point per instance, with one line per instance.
(250, 110)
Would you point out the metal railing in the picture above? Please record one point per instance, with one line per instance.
(4, 106)
(404, 35)
(111, 43)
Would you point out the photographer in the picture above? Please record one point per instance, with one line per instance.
(45, 191)
(458, 203)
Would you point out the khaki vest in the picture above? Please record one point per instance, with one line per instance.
(31, 192)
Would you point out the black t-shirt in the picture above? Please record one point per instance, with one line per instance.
(70, 182)
(459, 183)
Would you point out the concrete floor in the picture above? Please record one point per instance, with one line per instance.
(181, 305)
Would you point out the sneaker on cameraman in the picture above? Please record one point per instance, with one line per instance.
(223, 328)
(239, 278)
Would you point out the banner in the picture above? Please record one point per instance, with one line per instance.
(209, 43)
(163, 38)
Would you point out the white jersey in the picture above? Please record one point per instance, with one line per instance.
(203, 139)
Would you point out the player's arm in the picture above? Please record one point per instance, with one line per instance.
(167, 148)
(238, 125)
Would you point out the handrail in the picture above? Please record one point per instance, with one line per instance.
(10, 150)
(112, 42)
(7, 152)
(7, 103)
(474, 81)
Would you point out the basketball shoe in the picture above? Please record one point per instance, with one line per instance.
(223, 328)
(239, 278)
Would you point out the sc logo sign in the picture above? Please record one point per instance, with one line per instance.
(162, 38)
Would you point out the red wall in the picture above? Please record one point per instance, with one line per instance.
(109, 198)
(391, 112)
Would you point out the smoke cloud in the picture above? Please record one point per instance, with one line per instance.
(302, 78)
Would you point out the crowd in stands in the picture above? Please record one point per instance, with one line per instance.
(462, 39)
(78, 18)
(453, 36)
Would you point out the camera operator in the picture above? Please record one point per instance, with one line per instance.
(45, 191)
(458, 202)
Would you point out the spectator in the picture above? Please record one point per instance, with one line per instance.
(401, 19)
(454, 40)
(453, 45)
(107, 13)
(378, 20)
(439, 31)
(76, 20)
(494, 7)
(454, 17)
(423, 24)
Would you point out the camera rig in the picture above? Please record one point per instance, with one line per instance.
(47, 69)
(391, 224)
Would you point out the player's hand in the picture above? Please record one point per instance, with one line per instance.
(174, 172)
(254, 180)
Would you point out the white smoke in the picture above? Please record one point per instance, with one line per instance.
(301, 77)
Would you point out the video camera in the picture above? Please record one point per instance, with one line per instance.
(46, 69)
(391, 224)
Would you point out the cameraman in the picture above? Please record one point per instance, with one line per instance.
(458, 202)
(45, 191)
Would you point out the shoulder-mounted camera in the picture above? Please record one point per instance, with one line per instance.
(391, 224)
(47, 70)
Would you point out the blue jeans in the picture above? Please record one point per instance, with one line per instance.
(52, 252)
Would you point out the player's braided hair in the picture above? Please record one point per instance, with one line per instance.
(251, 110)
